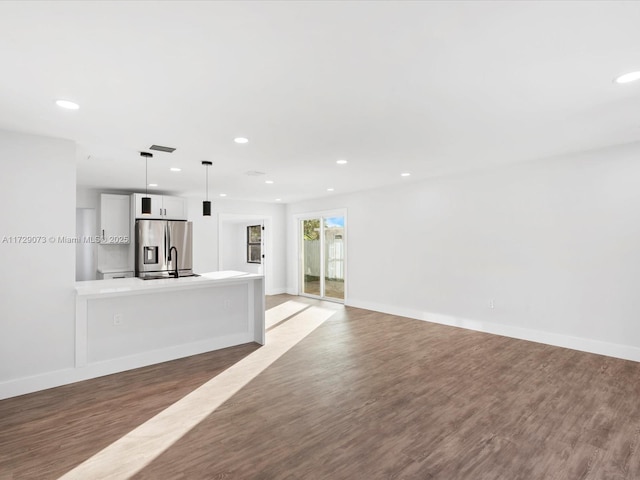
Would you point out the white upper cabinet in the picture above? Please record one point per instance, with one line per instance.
(163, 207)
(156, 206)
(175, 208)
(114, 219)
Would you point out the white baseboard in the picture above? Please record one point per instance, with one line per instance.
(292, 291)
(276, 291)
(21, 386)
(625, 352)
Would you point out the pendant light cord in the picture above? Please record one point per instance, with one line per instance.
(146, 176)
(207, 183)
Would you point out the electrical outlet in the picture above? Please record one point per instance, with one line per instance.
(491, 304)
(117, 319)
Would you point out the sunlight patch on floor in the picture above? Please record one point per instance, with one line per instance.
(131, 453)
(282, 311)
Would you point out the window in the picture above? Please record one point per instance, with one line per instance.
(254, 244)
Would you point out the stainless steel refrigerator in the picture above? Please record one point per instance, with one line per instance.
(163, 249)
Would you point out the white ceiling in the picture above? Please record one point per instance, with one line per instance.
(425, 87)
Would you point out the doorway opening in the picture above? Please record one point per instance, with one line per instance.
(322, 257)
(244, 244)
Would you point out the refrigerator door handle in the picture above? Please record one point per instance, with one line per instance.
(169, 240)
(165, 244)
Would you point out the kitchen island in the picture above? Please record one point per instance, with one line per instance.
(129, 322)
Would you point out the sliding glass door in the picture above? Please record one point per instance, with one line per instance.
(322, 259)
(311, 257)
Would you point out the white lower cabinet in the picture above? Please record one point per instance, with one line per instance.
(109, 275)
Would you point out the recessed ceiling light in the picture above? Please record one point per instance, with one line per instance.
(268, 181)
(223, 194)
(341, 162)
(153, 184)
(330, 189)
(628, 77)
(278, 199)
(241, 140)
(67, 104)
(175, 169)
(405, 174)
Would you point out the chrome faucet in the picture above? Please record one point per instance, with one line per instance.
(175, 272)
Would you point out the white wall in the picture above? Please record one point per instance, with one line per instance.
(229, 248)
(86, 253)
(37, 190)
(205, 236)
(554, 244)
(233, 237)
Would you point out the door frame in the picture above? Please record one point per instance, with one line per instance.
(297, 220)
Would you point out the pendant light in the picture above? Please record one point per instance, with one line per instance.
(206, 205)
(146, 200)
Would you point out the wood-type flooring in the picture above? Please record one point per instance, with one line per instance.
(364, 396)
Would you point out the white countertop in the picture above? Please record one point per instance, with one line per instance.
(124, 286)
